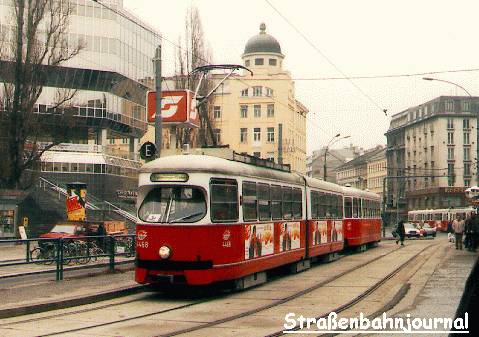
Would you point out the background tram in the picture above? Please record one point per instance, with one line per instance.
(438, 218)
(206, 219)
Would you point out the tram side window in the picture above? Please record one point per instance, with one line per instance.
(314, 204)
(264, 204)
(297, 203)
(250, 202)
(348, 208)
(276, 202)
(332, 206)
(224, 200)
(356, 207)
(340, 206)
(287, 203)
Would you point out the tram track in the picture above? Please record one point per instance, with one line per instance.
(219, 321)
(367, 293)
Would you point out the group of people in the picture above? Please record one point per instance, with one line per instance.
(468, 227)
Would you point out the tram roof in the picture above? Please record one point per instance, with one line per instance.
(323, 185)
(355, 192)
(216, 165)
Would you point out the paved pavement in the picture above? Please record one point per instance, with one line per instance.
(437, 291)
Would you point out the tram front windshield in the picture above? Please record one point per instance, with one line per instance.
(177, 204)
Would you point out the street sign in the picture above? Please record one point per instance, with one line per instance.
(148, 151)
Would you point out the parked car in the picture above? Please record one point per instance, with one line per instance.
(426, 230)
(411, 230)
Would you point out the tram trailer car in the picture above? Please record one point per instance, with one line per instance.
(439, 218)
(205, 219)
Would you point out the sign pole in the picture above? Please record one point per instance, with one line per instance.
(158, 126)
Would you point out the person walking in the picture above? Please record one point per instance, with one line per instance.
(458, 227)
(475, 233)
(401, 232)
(468, 232)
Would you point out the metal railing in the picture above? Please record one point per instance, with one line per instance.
(94, 203)
(90, 251)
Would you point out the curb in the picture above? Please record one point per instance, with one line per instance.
(70, 302)
(72, 268)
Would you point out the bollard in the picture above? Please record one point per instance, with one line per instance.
(61, 258)
(28, 251)
(57, 255)
(112, 252)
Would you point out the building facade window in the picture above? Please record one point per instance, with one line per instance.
(273, 62)
(269, 92)
(450, 138)
(217, 112)
(111, 140)
(467, 138)
(467, 154)
(467, 169)
(124, 141)
(465, 123)
(467, 182)
(450, 174)
(466, 106)
(244, 111)
(258, 62)
(270, 135)
(270, 110)
(450, 123)
(217, 134)
(257, 110)
(450, 153)
(449, 105)
(257, 91)
(247, 63)
(244, 93)
(257, 134)
(244, 135)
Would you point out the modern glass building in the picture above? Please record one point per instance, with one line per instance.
(108, 76)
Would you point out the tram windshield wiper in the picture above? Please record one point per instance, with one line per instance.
(186, 217)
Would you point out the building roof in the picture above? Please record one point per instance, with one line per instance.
(362, 159)
(262, 43)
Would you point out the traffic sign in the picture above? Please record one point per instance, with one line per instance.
(148, 151)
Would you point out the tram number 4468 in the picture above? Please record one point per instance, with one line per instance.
(142, 244)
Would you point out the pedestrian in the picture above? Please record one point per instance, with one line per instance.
(475, 233)
(468, 232)
(458, 227)
(401, 232)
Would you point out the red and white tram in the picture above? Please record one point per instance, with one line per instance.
(206, 219)
(439, 218)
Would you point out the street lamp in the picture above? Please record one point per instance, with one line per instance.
(331, 142)
(455, 84)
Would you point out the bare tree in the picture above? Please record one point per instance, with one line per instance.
(35, 43)
(193, 53)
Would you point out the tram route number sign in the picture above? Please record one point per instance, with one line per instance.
(148, 151)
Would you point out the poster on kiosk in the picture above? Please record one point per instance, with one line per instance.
(178, 108)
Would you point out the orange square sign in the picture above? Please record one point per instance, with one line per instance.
(177, 108)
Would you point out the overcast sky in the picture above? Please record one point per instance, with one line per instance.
(360, 38)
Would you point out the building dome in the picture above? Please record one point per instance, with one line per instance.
(262, 43)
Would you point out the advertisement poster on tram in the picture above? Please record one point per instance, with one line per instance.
(337, 234)
(289, 237)
(323, 230)
(258, 240)
(320, 232)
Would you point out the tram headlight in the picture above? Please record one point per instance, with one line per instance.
(164, 252)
